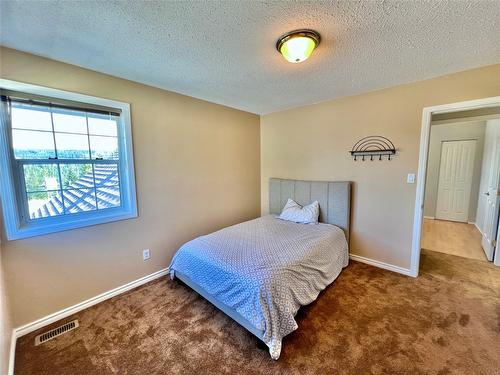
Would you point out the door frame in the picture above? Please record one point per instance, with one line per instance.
(422, 166)
(496, 257)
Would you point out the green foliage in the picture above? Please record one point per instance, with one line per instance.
(72, 172)
(40, 177)
(35, 176)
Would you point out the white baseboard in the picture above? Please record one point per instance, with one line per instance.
(429, 217)
(33, 326)
(379, 264)
(479, 229)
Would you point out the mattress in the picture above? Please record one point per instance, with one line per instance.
(265, 269)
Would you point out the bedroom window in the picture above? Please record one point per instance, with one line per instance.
(66, 160)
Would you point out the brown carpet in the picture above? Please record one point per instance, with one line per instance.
(370, 321)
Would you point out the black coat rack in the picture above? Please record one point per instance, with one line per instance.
(373, 146)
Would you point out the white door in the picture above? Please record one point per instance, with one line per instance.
(455, 180)
(489, 205)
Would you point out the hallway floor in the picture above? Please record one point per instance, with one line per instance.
(453, 238)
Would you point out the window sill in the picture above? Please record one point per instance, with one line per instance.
(40, 228)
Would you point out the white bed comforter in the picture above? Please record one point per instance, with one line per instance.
(265, 269)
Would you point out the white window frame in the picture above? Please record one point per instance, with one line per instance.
(15, 226)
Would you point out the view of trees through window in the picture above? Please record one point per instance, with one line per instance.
(42, 177)
(68, 159)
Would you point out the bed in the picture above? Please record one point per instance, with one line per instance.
(261, 271)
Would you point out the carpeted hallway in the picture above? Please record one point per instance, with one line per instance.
(451, 237)
(447, 321)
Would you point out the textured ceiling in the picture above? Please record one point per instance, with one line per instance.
(224, 51)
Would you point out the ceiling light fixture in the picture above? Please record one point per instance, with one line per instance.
(296, 46)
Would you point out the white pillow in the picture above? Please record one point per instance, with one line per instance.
(304, 215)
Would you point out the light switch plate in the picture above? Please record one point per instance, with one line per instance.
(410, 179)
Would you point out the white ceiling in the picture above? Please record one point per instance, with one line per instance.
(224, 51)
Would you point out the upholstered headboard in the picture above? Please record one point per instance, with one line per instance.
(334, 198)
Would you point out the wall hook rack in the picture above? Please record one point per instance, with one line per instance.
(373, 145)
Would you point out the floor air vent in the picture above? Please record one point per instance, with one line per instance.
(49, 335)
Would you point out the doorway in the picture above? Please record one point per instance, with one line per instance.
(458, 185)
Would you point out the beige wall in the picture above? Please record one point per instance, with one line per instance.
(197, 169)
(312, 142)
(473, 130)
(200, 162)
(5, 321)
